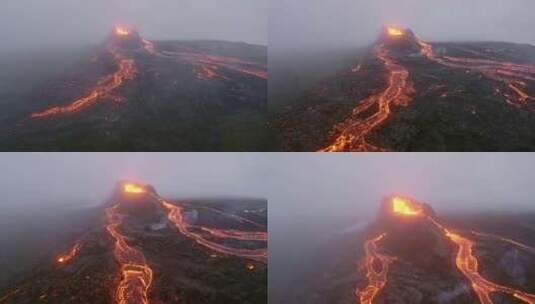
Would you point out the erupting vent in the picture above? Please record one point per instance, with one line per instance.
(132, 188)
(392, 31)
(405, 207)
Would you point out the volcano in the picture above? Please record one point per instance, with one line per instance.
(411, 254)
(406, 94)
(133, 94)
(147, 249)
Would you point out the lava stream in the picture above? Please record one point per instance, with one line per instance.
(66, 257)
(234, 216)
(512, 74)
(467, 263)
(136, 275)
(127, 71)
(507, 240)
(353, 131)
(176, 217)
(376, 278)
(237, 234)
(208, 65)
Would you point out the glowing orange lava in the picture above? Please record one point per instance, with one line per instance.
(405, 207)
(392, 31)
(64, 258)
(208, 66)
(136, 275)
(376, 278)
(127, 71)
(353, 131)
(467, 263)
(176, 217)
(122, 30)
(507, 240)
(133, 188)
(513, 75)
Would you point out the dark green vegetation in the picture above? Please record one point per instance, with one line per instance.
(451, 109)
(167, 107)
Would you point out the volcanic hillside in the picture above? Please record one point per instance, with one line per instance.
(406, 94)
(411, 257)
(134, 94)
(147, 249)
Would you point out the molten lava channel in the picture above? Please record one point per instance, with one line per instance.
(467, 263)
(175, 215)
(127, 71)
(353, 131)
(465, 260)
(136, 275)
(513, 75)
(377, 279)
(208, 66)
(69, 255)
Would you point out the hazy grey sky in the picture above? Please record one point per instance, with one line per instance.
(314, 197)
(49, 179)
(33, 23)
(306, 183)
(298, 24)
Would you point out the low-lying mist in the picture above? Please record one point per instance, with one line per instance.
(34, 24)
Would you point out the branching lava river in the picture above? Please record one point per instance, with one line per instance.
(514, 75)
(126, 71)
(376, 278)
(136, 275)
(175, 215)
(352, 133)
(465, 260)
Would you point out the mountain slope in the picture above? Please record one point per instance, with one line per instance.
(135, 94)
(146, 249)
(411, 95)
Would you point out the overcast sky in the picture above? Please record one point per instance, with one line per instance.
(307, 183)
(36, 23)
(298, 24)
(50, 179)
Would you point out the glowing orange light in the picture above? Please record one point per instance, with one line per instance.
(250, 267)
(122, 31)
(405, 207)
(392, 31)
(131, 188)
(64, 258)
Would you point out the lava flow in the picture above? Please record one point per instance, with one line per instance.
(175, 215)
(208, 65)
(66, 257)
(512, 74)
(465, 261)
(136, 275)
(467, 264)
(353, 131)
(376, 278)
(133, 188)
(126, 71)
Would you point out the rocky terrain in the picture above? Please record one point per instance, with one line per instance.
(413, 255)
(405, 94)
(132, 94)
(145, 249)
